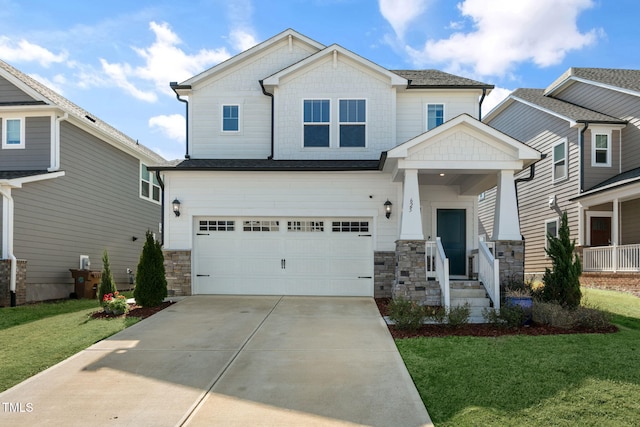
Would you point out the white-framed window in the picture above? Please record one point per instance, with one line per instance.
(316, 120)
(13, 133)
(230, 118)
(551, 227)
(560, 169)
(601, 148)
(352, 122)
(149, 185)
(435, 115)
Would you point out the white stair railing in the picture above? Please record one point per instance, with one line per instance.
(489, 273)
(442, 273)
(430, 259)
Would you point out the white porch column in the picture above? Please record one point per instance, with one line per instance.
(615, 223)
(411, 225)
(581, 241)
(506, 224)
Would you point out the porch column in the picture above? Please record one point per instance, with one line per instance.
(614, 234)
(411, 224)
(506, 224)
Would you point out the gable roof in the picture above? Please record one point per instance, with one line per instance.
(271, 165)
(622, 80)
(435, 79)
(45, 96)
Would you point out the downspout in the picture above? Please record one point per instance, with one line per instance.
(270, 95)
(7, 210)
(55, 149)
(582, 132)
(484, 93)
(532, 174)
(159, 178)
(174, 86)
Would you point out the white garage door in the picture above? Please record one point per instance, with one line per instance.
(268, 256)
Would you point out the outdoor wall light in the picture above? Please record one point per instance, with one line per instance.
(176, 206)
(387, 208)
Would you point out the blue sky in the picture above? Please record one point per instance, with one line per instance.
(116, 58)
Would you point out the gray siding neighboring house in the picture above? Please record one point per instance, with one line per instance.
(75, 188)
(600, 123)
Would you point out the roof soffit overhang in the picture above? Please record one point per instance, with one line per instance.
(624, 190)
(19, 182)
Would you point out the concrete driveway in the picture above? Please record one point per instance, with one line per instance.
(231, 361)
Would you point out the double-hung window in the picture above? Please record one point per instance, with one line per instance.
(316, 122)
(551, 229)
(560, 161)
(13, 133)
(353, 122)
(230, 118)
(435, 115)
(149, 186)
(601, 149)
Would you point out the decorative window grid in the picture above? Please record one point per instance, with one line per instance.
(305, 226)
(217, 225)
(350, 226)
(261, 225)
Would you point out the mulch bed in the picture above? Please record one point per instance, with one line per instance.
(481, 330)
(134, 311)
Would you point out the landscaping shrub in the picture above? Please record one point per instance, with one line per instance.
(552, 314)
(509, 316)
(151, 283)
(592, 318)
(407, 315)
(459, 316)
(107, 284)
(436, 313)
(562, 282)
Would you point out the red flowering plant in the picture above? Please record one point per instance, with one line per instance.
(114, 303)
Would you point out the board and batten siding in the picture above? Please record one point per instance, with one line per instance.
(282, 195)
(541, 131)
(93, 207)
(36, 154)
(344, 79)
(10, 93)
(239, 85)
(411, 115)
(621, 105)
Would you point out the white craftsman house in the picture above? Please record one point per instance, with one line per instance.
(313, 171)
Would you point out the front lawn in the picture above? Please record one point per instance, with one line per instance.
(582, 379)
(35, 337)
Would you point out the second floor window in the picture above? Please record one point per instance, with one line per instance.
(551, 228)
(316, 122)
(149, 186)
(12, 133)
(560, 161)
(353, 117)
(601, 150)
(230, 118)
(435, 115)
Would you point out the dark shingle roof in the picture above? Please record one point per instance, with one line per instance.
(438, 79)
(20, 174)
(272, 165)
(566, 109)
(625, 79)
(624, 176)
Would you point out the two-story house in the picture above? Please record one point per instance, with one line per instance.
(587, 123)
(71, 186)
(313, 171)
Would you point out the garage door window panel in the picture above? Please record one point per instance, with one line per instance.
(261, 225)
(217, 225)
(350, 226)
(305, 226)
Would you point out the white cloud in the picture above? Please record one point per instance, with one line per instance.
(172, 126)
(400, 13)
(496, 96)
(242, 40)
(507, 33)
(25, 51)
(241, 35)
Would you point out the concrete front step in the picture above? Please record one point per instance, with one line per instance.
(465, 284)
(468, 293)
(473, 302)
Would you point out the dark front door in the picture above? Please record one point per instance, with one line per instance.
(600, 231)
(452, 231)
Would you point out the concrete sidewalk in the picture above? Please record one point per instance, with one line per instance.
(225, 360)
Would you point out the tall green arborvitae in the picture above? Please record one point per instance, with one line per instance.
(107, 284)
(562, 283)
(151, 283)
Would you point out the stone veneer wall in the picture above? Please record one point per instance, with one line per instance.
(5, 282)
(510, 253)
(384, 270)
(177, 266)
(411, 275)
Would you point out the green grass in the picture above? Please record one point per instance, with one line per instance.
(561, 380)
(35, 337)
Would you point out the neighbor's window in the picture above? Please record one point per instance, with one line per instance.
(353, 117)
(230, 118)
(149, 186)
(560, 161)
(601, 150)
(12, 133)
(316, 122)
(435, 115)
(551, 228)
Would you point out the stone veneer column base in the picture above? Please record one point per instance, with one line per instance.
(177, 266)
(384, 273)
(411, 276)
(510, 254)
(5, 282)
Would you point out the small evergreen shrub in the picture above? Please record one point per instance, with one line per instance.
(552, 314)
(407, 315)
(509, 316)
(436, 313)
(107, 284)
(151, 283)
(459, 316)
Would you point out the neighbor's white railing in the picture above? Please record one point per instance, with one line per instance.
(612, 258)
(489, 273)
(442, 273)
